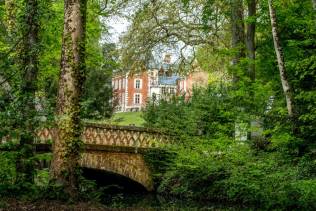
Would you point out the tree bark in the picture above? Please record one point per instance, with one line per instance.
(67, 143)
(4, 84)
(29, 67)
(238, 34)
(280, 58)
(250, 38)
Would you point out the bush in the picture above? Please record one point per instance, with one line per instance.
(223, 170)
(209, 113)
(7, 171)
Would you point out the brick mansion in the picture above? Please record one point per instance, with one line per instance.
(131, 91)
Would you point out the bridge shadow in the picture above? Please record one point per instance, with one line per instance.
(113, 183)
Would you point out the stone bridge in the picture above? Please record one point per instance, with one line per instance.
(116, 149)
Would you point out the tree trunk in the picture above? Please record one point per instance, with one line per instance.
(250, 38)
(238, 34)
(314, 4)
(67, 143)
(29, 67)
(4, 84)
(280, 57)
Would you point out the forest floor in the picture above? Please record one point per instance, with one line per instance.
(46, 205)
(14, 204)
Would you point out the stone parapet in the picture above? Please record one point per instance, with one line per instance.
(112, 135)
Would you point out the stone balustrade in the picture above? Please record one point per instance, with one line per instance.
(111, 135)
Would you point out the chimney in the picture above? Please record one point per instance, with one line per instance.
(167, 59)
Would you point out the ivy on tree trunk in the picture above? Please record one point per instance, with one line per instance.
(250, 38)
(67, 143)
(238, 35)
(29, 68)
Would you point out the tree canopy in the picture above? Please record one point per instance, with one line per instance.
(57, 61)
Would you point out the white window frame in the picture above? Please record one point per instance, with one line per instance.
(140, 83)
(140, 99)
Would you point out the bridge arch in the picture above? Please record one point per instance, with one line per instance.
(131, 165)
(112, 182)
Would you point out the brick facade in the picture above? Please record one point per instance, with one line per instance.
(132, 91)
(137, 91)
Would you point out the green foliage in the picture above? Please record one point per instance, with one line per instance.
(159, 161)
(208, 113)
(211, 165)
(297, 29)
(96, 101)
(275, 171)
(7, 171)
(101, 61)
(223, 170)
(12, 101)
(87, 190)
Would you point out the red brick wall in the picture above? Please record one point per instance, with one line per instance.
(196, 78)
(143, 90)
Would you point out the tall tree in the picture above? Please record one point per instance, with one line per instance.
(280, 58)
(250, 38)
(29, 67)
(238, 34)
(66, 148)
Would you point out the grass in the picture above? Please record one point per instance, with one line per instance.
(124, 119)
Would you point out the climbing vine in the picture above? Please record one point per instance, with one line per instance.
(67, 144)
